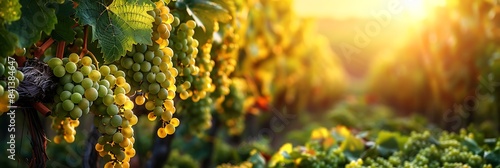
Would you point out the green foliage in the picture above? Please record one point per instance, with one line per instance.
(389, 150)
(9, 11)
(63, 29)
(117, 26)
(36, 18)
(205, 14)
(178, 160)
(7, 42)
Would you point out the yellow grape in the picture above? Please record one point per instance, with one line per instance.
(166, 116)
(175, 122)
(151, 116)
(109, 165)
(130, 152)
(120, 81)
(73, 57)
(125, 142)
(139, 100)
(161, 133)
(191, 24)
(120, 99)
(126, 164)
(170, 129)
(75, 123)
(99, 147)
(86, 61)
(171, 94)
(150, 105)
(127, 132)
(129, 105)
(69, 138)
(184, 95)
(133, 120)
(95, 75)
(57, 139)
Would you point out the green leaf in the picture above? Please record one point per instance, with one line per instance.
(390, 141)
(63, 30)
(7, 42)
(257, 160)
(117, 26)
(209, 9)
(493, 157)
(205, 14)
(36, 18)
(471, 145)
(352, 147)
(203, 35)
(10, 10)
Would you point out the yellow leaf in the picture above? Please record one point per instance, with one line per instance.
(342, 130)
(319, 133)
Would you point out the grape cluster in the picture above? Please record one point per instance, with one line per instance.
(333, 158)
(10, 78)
(76, 45)
(202, 83)
(419, 150)
(184, 59)
(151, 72)
(198, 114)
(114, 118)
(225, 56)
(198, 108)
(76, 91)
(231, 107)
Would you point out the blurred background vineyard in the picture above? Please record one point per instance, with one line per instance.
(434, 65)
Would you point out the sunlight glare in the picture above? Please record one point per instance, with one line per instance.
(415, 8)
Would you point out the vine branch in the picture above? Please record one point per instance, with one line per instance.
(60, 49)
(85, 37)
(40, 50)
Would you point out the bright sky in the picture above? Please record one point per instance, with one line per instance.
(358, 8)
(336, 8)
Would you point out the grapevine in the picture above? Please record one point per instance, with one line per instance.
(245, 75)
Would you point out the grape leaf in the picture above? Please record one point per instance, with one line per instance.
(36, 18)
(7, 42)
(205, 14)
(117, 26)
(63, 29)
(10, 10)
(209, 9)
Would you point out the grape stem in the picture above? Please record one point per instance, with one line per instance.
(40, 50)
(94, 58)
(84, 48)
(60, 49)
(42, 109)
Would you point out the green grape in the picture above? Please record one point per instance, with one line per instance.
(112, 110)
(76, 113)
(59, 71)
(65, 95)
(70, 67)
(87, 83)
(85, 70)
(116, 120)
(68, 105)
(110, 130)
(118, 137)
(91, 94)
(53, 62)
(76, 97)
(77, 77)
